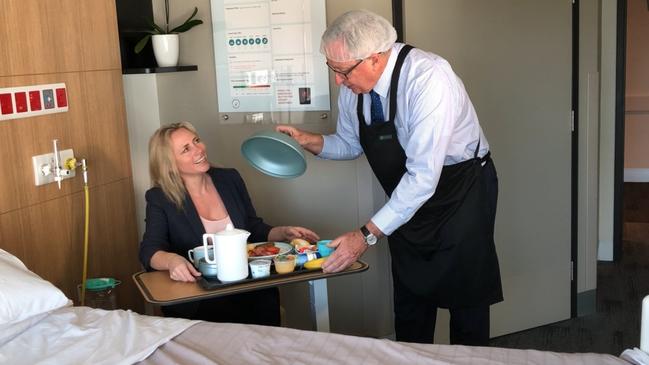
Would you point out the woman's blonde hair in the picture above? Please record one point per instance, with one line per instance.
(162, 163)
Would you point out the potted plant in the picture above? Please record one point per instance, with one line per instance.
(165, 40)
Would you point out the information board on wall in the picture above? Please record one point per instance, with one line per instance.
(267, 55)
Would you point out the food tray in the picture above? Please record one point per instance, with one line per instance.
(158, 288)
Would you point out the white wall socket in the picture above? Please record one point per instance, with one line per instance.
(44, 171)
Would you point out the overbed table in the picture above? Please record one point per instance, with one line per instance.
(158, 288)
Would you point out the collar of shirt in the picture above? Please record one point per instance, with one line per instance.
(382, 86)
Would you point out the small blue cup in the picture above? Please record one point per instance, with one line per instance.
(323, 249)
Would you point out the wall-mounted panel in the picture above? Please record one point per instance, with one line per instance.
(94, 126)
(28, 137)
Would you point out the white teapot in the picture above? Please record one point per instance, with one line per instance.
(230, 253)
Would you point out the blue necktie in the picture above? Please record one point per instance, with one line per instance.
(376, 108)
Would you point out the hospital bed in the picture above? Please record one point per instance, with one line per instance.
(38, 325)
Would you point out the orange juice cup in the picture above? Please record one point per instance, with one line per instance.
(284, 264)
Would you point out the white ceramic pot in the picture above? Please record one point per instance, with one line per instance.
(165, 49)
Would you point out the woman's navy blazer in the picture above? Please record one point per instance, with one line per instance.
(179, 230)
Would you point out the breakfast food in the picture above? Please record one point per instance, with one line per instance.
(284, 263)
(314, 264)
(298, 242)
(264, 249)
(307, 248)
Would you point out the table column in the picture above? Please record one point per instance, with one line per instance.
(319, 301)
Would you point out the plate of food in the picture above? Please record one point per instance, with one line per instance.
(267, 250)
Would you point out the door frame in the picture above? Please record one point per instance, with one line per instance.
(620, 94)
(574, 201)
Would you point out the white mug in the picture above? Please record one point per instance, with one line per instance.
(197, 253)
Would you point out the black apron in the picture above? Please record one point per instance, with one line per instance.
(446, 250)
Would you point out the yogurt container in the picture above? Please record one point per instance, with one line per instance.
(260, 268)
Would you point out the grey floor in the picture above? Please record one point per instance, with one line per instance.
(621, 286)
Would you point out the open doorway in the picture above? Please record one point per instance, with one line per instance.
(624, 281)
(634, 125)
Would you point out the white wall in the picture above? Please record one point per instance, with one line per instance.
(143, 118)
(608, 34)
(588, 128)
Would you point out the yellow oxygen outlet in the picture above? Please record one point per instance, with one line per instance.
(70, 163)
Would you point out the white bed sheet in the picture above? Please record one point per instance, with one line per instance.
(83, 335)
(236, 344)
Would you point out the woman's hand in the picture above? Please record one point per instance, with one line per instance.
(179, 268)
(288, 233)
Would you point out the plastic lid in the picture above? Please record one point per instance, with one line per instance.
(101, 283)
(274, 154)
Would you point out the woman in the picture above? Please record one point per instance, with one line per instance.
(189, 198)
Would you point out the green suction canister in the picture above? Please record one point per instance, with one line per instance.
(100, 293)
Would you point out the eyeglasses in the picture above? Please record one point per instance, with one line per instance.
(345, 74)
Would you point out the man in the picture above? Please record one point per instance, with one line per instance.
(432, 159)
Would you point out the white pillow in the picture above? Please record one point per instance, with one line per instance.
(24, 294)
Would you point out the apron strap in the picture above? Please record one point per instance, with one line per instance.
(395, 80)
(483, 158)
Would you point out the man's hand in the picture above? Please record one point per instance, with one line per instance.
(349, 247)
(311, 142)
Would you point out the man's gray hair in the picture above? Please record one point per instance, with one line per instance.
(357, 34)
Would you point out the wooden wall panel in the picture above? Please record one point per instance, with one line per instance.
(58, 36)
(114, 235)
(25, 38)
(48, 237)
(105, 124)
(75, 42)
(10, 192)
(63, 35)
(99, 27)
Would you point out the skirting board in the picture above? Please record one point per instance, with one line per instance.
(636, 175)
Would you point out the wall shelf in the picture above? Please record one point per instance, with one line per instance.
(157, 70)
